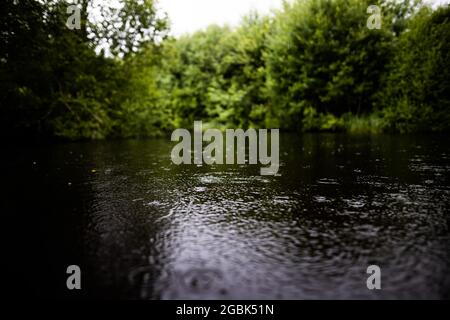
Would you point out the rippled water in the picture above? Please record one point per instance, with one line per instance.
(141, 227)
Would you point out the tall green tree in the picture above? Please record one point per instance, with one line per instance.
(52, 80)
(322, 58)
(416, 95)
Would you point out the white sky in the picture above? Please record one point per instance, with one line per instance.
(187, 16)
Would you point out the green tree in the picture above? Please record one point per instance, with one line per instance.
(52, 80)
(321, 59)
(238, 96)
(416, 94)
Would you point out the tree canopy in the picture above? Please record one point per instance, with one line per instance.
(313, 65)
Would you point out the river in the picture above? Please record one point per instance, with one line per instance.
(141, 227)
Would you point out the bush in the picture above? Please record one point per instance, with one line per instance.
(417, 92)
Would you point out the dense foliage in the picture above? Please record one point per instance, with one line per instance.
(314, 65)
(416, 95)
(53, 82)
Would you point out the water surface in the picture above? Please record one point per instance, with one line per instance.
(141, 227)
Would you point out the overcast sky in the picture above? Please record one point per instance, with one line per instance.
(188, 16)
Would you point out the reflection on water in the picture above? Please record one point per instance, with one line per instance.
(141, 227)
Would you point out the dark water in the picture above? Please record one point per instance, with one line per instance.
(141, 227)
